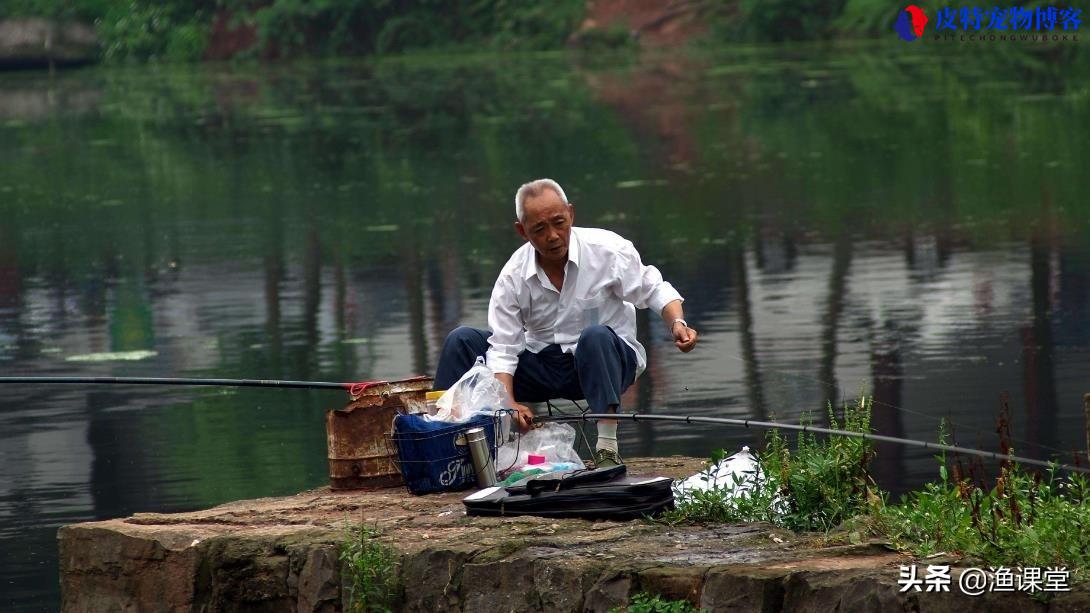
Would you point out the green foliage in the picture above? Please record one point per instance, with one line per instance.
(150, 30)
(868, 16)
(815, 487)
(186, 42)
(780, 20)
(1023, 519)
(651, 603)
(370, 570)
(327, 26)
(83, 10)
(409, 31)
(145, 29)
(824, 481)
(535, 25)
(760, 503)
(362, 26)
(171, 30)
(177, 30)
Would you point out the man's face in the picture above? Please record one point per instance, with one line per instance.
(546, 223)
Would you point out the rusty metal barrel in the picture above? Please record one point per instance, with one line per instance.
(357, 435)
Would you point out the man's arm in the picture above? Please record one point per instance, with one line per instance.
(644, 287)
(508, 340)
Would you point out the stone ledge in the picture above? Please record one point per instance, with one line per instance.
(282, 553)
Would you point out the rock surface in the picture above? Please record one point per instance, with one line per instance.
(280, 554)
(33, 42)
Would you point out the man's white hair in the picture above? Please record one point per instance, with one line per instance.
(533, 188)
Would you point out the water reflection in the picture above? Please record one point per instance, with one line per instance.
(335, 221)
(1038, 384)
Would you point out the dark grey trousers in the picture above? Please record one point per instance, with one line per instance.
(600, 371)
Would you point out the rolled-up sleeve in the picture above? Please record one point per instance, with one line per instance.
(642, 285)
(506, 322)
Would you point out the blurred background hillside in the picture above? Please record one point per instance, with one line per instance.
(189, 30)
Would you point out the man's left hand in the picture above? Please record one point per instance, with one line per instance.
(684, 337)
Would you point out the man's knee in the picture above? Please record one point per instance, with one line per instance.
(462, 334)
(462, 346)
(465, 336)
(596, 336)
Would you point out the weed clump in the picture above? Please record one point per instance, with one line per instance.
(1022, 518)
(653, 603)
(812, 488)
(369, 568)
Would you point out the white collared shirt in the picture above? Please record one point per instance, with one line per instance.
(604, 282)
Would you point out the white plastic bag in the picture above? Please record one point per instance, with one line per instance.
(478, 391)
(554, 441)
(736, 475)
(734, 478)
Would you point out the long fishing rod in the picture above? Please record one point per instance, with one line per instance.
(798, 374)
(767, 425)
(357, 388)
(354, 389)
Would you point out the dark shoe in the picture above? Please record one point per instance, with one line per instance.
(607, 458)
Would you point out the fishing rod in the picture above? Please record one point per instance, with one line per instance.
(767, 425)
(354, 389)
(357, 388)
(826, 384)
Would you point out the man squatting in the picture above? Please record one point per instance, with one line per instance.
(563, 316)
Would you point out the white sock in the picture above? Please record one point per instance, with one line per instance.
(607, 437)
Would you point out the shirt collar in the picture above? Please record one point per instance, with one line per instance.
(532, 266)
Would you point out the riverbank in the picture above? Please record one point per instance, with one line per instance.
(281, 553)
(44, 43)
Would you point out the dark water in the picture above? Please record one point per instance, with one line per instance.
(911, 226)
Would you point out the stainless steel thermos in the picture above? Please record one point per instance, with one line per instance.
(479, 452)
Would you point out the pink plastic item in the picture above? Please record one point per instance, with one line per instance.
(535, 459)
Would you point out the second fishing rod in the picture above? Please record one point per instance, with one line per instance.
(802, 428)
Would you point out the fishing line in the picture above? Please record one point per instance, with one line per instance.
(765, 425)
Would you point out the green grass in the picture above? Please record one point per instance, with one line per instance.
(651, 603)
(369, 569)
(1020, 518)
(814, 487)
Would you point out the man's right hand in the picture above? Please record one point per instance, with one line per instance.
(524, 417)
(684, 337)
